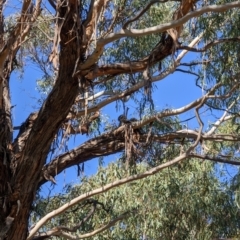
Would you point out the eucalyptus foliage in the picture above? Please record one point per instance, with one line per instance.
(187, 201)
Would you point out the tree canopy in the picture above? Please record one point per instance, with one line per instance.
(95, 55)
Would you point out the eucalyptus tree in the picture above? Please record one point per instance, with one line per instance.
(93, 53)
(187, 201)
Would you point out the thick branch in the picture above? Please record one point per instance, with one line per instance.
(96, 8)
(103, 145)
(139, 85)
(138, 66)
(107, 143)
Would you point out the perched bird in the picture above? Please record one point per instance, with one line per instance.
(123, 120)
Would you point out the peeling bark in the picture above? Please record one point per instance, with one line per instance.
(6, 156)
(34, 140)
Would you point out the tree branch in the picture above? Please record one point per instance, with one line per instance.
(138, 66)
(222, 119)
(211, 44)
(96, 8)
(108, 143)
(156, 29)
(17, 36)
(214, 159)
(142, 12)
(60, 233)
(100, 190)
(191, 135)
(141, 84)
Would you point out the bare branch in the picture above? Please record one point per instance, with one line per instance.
(214, 159)
(222, 119)
(211, 44)
(60, 233)
(142, 12)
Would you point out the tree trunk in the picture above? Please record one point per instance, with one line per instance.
(21, 162)
(6, 154)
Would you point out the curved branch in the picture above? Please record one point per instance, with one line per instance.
(222, 119)
(142, 12)
(100, 190)
(214, 159)
(141, 84)
(137, 66)
(103, 145)
(58, 232)
(105, 227)
(213, 43)
(156, 29)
